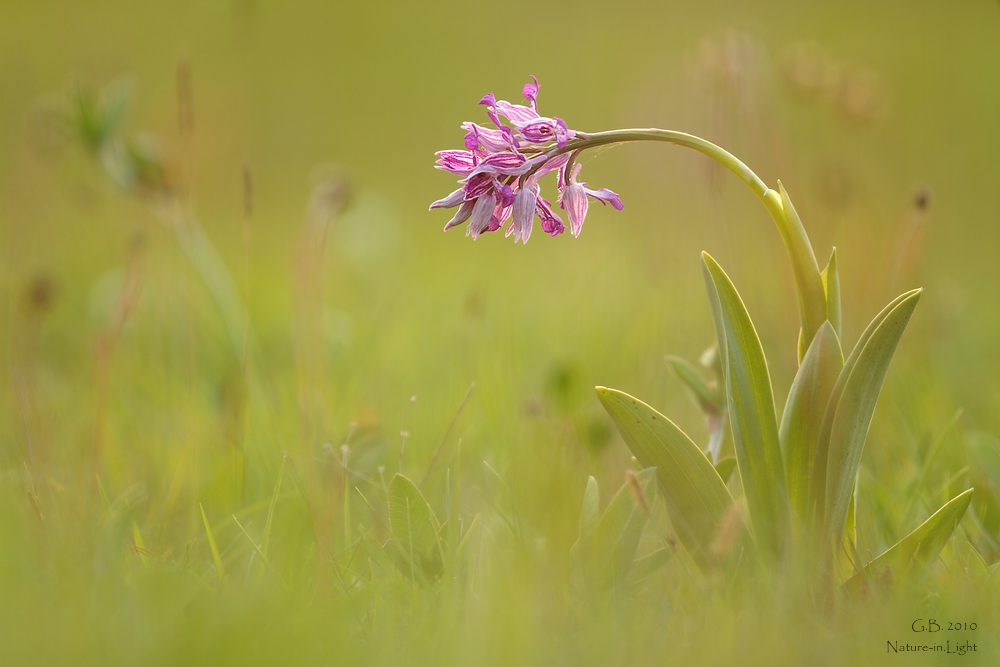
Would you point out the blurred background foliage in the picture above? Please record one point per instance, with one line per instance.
(302, 136)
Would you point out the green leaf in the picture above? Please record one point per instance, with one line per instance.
(617, 534)
(415, 529)
(803, 416)
(831, 285)
(819, 472)
(725, 467)
(852, 405)
(809, 283)
(709, 400)
(751, 413)
(912, 553)
(696, 498)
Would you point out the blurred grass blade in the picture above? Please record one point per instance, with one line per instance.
(696, 498)
(808, 282)
(465, 537)
(140, 547)
(916, 550)
(983, 453)
(971, 561)
(831, 285)
(850, 416)
(643, 568)
(802, 418)
(589, 516)
(617, 534)
(211, 543)
(265, 562)
(751, 413)
(415, 529)
(985, 450)
(98, 119)
(270, 510)
(725, 468)
(581, 551)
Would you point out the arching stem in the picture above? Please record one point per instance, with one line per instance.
(808, 280)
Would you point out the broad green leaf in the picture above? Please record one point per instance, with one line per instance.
(912, 553)
(643, 567)
(831, 285)
(725, 467)
(751, 413)
(852, 414)
(617, 534)
(696, 498)
(415, 529)
(809, 283)
(803, 416)
(818, 483)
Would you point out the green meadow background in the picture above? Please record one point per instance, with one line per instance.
(123, 408)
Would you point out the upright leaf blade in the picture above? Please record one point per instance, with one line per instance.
(802, 418)
(414, 526)
(818, 484)
(725, 467)
(589, 518)
(751, 413)
(708, 400)
(696, 498)
(809, 283)
(589, 512)
(211, 543)
(853, 413)
(831, 284)
(916, 550)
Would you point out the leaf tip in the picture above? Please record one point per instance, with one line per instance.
(709, 261)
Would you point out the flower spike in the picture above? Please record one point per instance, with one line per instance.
(501, 166)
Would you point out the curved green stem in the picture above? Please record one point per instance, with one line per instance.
(591, 140)
(809, 283)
